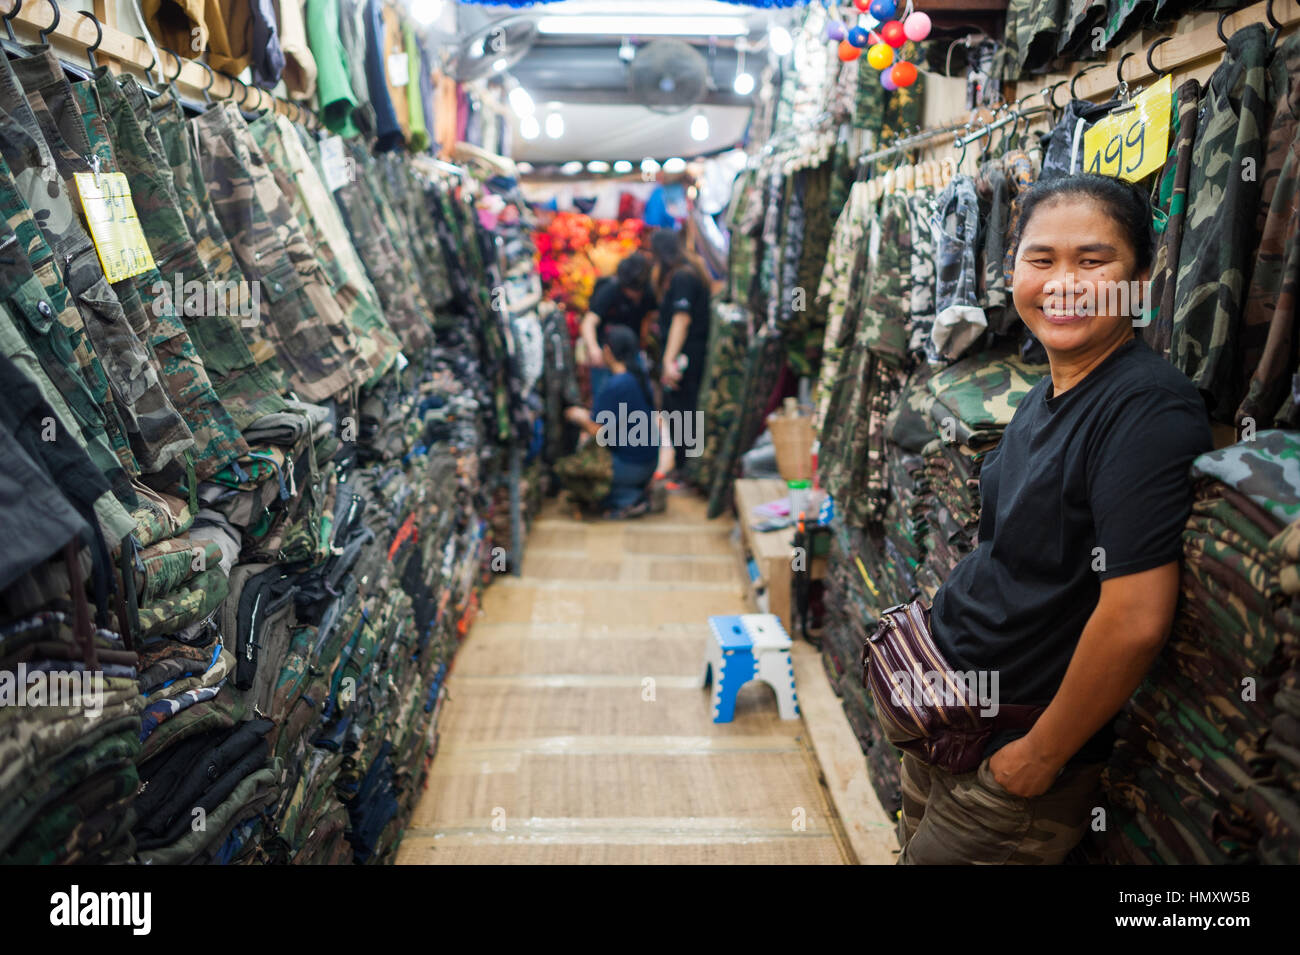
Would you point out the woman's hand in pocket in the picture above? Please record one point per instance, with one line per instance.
(1021, 770)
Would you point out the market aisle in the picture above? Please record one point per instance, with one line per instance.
(551, 751)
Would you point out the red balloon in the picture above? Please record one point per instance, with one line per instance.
(848, 51)
(862, 5)
(903, 73)
(892, 33)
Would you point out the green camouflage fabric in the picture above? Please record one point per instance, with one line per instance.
(993, 292)
(182, 606)
(764, 357)
(982, 391)
(587, 474)
(1021, 173)
(157, 520)
(721, 397)
(35, 339)
(886, 309)
(170, 563)
(921, 297)
(1217, 241)
(184, 375)
(807, 329)
(970, 819)
(1266, 470)
(406, 198)
(559, 385)
(1008, 58)
(305, 322)
(376, 344)
(250, 378)
(833, 292)
(1081, 17)
(400, 300)
(1038, 33)
(86, 820)
(372, 172)
(115, 329)
(1170, 216)
(1123, 17)
(258, 787)
(1266, 335)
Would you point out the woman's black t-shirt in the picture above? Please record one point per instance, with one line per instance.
(686, 293)
(1088, 485)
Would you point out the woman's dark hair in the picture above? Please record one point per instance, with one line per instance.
(634, 272)
(671, 256)
(626, 349)
(1124, 202)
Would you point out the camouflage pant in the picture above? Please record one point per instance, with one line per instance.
(969, 819)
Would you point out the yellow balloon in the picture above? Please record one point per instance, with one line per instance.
(880, 56)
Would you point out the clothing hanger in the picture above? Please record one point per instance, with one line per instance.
(1219, 26)
(1152, 48)
(99, 38)
(1077, 76)
(212, 78)
(1273, 22)
(1121, 90)
(45, 34)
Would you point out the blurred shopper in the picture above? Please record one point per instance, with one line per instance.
(623, 299)
(683, 289)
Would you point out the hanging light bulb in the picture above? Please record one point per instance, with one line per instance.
(744, 84)
(622, 167)
(674, 165)
(554, 125)
(521, 102)
(529, 128)
(598, 165)
(426, 11)
(699, 127)
(571, 168)
(782, 42)
(649, 165)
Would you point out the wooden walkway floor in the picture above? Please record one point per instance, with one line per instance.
(574, 731)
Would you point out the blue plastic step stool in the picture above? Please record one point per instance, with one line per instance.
(745, 647)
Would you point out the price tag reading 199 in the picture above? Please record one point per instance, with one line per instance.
(1133, 143)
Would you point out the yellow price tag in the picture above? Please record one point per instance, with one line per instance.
(114, 227)
(1133, 143)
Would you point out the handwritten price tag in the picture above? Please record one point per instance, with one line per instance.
(1134, 143)
(114, 227)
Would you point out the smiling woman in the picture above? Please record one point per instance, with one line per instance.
(1071, 591)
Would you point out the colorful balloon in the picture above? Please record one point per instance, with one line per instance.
(848, 51)
(883, 10)
(862, 5)
(887, 81)
(903, 73)
(916, 27)
(892, 33)
(835, 30)
(880, 56)
(858, 37)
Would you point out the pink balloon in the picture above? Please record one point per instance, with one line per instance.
(916, 27)
(887, 81)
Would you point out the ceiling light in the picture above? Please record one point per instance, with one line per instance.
(571, 168)
(782, 42)
(426, 11)
(598, 165)
(554, 125)
(529, 128)
(643, 25)
(649, 165)
(622, 167)
(524, 168)
(744, 84)
(674, 165)
(499, 65)
(626, 51)
(521, 102)
(699, 127)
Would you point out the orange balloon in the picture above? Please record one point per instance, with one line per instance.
(848, 51)
(903, 73)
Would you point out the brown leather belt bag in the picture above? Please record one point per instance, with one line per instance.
(925, 706)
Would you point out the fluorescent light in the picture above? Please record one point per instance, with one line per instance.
(426, 11)
(649, 165)
(699, 127)
(674, 165)
(598, 165)
(622, 167)
(529, 128)
(571, 168)
(499, 65)
(524, 168)
(744, 84)
(643, 25)
(782, 42)
(521, 102)
(554, 125)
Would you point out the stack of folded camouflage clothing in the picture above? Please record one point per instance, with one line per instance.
(1205, 770)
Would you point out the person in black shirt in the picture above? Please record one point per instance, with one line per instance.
(1071, 591)
(622, 300)
(683, 323)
